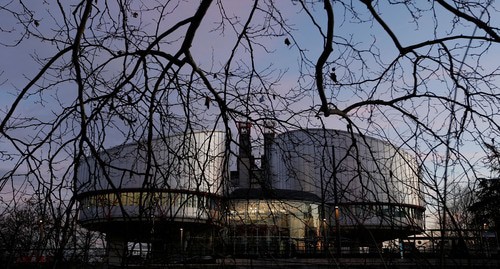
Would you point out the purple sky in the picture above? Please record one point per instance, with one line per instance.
(211, 49)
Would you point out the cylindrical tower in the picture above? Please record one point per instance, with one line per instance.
(165, 192)
(374, 185)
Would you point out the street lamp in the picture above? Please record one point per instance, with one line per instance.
(337, 230)
(182, 233)
(325, 236)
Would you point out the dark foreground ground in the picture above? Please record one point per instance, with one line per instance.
(364, 263)
(319, 263)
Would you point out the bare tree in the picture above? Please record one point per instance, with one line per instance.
(111, 73)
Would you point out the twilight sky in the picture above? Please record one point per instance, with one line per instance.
(357, 71)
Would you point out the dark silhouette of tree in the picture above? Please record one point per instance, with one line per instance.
(486, 208)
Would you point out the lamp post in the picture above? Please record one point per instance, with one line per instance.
(181, 244)
(325, 236)
(336, 201)
(324, 243)
(337, 231)
(41, 236)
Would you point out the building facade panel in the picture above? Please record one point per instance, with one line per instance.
(372, 182)
(179, 178)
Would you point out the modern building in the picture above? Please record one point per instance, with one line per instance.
(321, 191)
(164, 195)
(315, 191)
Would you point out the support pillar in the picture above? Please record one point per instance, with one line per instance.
(116, 249)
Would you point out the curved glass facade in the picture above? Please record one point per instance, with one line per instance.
(373, 184)
(177, 179)
(165, 194)
(163, 205)
(364, 168)
(273, 227)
